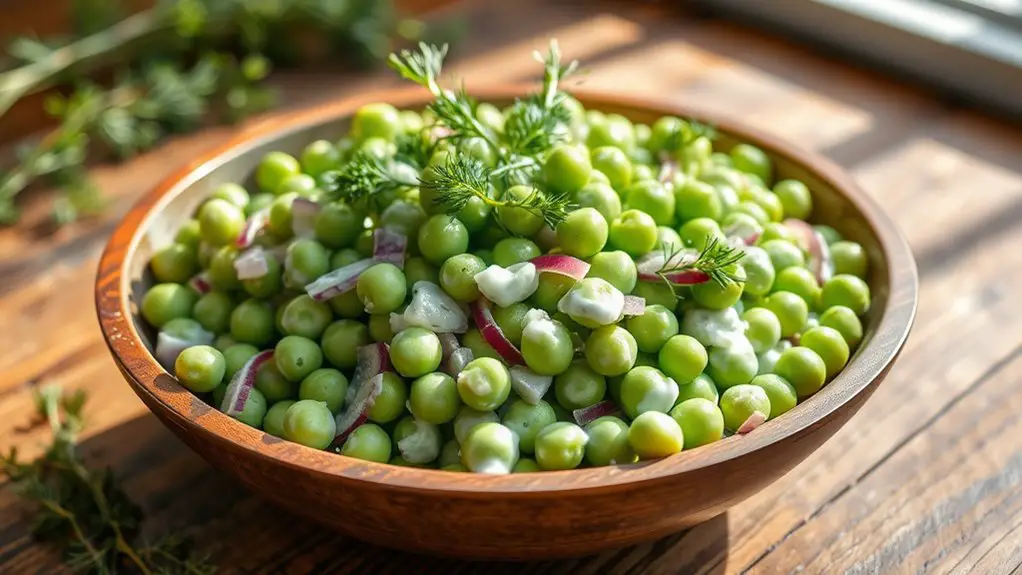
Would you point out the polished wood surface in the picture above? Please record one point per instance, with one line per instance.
(921, 480)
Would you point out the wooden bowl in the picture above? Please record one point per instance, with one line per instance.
(528, 516)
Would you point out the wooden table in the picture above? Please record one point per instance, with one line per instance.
(926, 478)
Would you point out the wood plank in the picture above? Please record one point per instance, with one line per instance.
(946, 501)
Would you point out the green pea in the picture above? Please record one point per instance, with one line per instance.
(382, 288)
(434, 398)
(274, 168)
(414, 352)
(526, 466)
(490, 448)
(614, 164)
(579, 386)
(701, 421)
(702, 386)
(801, 282)
(189, 234)
(273, 421)
(601, 197)
(830, 345)
(306, 317)
(763, 329)
(608, 442)
(236, 356)
(164, 302)
(567, 168)
(651, 197)
(510, 251)
(418, 270)
(390, 404)
(319, 157)
(611, 350)
(547, 347)
(711, 295)
(175, 263)
(752, 160)
(848, 291)
(306, 261)
(560, 445)
(845, 321)
(759, 271)
(336, 225)
(633, 232)
(376, 120)
(782, 394)
(200, 368)
(647, 389)
(783, 254)
(791, 310)
(617, 267)
(272, 383)
(795, 198)
(368, 442)
(803, 368)
(326, 385)
(653, 328)
(849, 258)
(213, 311)
(520, 221)
(484, 384)
(267, 285)
(583, 233)
(341, 341)
(220, 222)
(527, 421)
(654, 434)
(510, 320)
(550, 290)
(442, 237)
(698, 232)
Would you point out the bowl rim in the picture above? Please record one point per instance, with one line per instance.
(190, 413)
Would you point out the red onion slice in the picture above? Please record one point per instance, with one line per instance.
(587, 415)
(389, 246)
(530, 386)
(755, 420)
(651, 263)
(448, 343)
(560, 264)
(200, 283)
(634, 305)
(366, 385)
(338, 281)
(357, 412)
(493, 334)
(253, 225)
(813, 244)
(240, 386)
(668, 168)
(251, 264)
(303, 217)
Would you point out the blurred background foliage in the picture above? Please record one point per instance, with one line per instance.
(126, 74)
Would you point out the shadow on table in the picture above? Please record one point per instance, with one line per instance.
(179, 491)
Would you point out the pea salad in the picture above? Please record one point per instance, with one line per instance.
(511, 289)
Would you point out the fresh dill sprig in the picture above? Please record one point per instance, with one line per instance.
(462, 178)
(534, 124)
(415, 148)
(84, 511)
(717, 260)
(454, 109)
(363, 177)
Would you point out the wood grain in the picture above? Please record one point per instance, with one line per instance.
(951, 179)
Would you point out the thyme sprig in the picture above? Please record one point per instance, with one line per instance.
(83, 511)
(717, 260)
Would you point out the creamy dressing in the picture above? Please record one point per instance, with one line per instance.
(593, 301)
(661, 398)
(508, 286)
(713, 327)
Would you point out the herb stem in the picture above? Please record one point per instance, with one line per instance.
(57, 509)
(85, 55)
